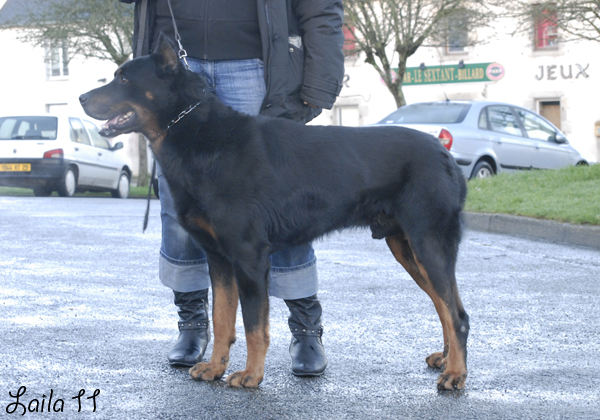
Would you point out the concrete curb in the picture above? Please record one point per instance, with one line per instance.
(566, 233)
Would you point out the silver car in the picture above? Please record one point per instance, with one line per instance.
(486, 138)
(60, 153)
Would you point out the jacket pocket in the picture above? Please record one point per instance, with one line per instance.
(295, 66)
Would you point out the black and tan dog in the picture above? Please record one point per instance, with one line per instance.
(246, 187)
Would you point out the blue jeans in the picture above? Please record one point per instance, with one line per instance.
(182, 264)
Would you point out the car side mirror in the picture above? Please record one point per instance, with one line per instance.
(117, 146)
(560, 138)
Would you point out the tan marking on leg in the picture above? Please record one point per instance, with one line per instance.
(404, 254)
(453, 365)
(452, 360)
(436, 360)
(224, 312)
(258, 343)
(203, 224)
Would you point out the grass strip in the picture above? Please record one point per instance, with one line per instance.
(567, 195)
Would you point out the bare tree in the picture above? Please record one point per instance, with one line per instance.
(388, 32)
(100, 29)
(573, 19)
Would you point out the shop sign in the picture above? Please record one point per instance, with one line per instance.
(476, 72)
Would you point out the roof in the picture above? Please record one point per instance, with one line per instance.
(13, 8)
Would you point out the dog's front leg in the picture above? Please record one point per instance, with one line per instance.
(252, 278)
(225, 299)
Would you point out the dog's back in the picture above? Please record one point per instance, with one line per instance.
(355, 176)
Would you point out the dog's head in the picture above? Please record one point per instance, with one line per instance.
(144, 94)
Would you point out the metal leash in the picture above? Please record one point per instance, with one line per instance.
(182, 52)
(182, 56)
(147, 215)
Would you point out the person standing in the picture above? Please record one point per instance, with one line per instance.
(280, 58)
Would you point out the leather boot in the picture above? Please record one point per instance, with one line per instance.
(194, 330)
(306, 348)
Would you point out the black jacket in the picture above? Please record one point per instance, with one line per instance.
(302, 51)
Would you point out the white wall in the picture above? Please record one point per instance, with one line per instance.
(25, 88)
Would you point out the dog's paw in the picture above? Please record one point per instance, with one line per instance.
(436, 361)
(207, 371)
(448, 381)
(244, 379)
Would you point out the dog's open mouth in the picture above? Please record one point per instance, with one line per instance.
(116, 125)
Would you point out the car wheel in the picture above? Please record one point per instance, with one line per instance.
(68, 184)
(482, 170)
(42, 191)
(122, 190)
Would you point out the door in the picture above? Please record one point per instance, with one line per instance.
(513, 150)
(550, 110)
(548, 153)
(82, 153)
(108, 167)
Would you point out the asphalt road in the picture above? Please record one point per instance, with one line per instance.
(81, 308)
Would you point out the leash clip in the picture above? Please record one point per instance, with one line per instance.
(183, 55)
(182, 52)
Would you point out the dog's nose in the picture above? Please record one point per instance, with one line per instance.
(83, 99)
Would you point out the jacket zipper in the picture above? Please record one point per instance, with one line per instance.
(206, 22)
(267, 62)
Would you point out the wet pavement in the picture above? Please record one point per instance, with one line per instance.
(81, 308)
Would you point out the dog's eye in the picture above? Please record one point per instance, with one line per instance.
(122, 79)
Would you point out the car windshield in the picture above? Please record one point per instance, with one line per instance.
(428, 113)
(28, 128)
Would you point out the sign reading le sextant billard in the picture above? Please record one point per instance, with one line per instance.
(476, 72)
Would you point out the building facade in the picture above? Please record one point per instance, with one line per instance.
(534, 70)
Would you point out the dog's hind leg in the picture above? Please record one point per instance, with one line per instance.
(432, 267)
(252, 278)
(225, 300)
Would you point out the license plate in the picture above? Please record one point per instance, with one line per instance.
(15, 167)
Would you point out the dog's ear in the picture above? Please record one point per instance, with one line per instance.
(165, 54)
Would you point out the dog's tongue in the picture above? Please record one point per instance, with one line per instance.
(107, 129)
(110, 122)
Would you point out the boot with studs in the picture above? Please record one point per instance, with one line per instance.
(194, 330)
(306, 348)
